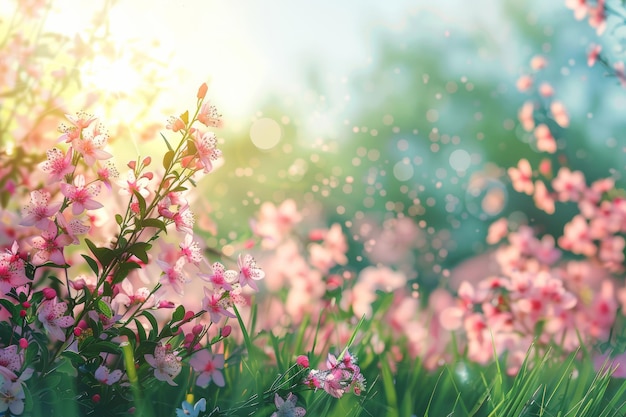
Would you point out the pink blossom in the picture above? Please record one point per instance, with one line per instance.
(538, 62)
(209, 116)
(131, 185)
(50, 246)
(72, 228)
(524, 83)
(274, 223)
(52, 317)
(105, 376)
(545, 140)
(543, 199)
(249, 272)
(190, 250)
(12, 270)
(220, 277)
(597, 16)
(521, 177)
(546, 90)
(593, 55)
(10, 362)
(106, 173)
(90, 147)
(184, 220)
(175, 124)
(216, 305)
(80, 195)
(208, 365)
(497, 231)
(173, 275)
(287, 407)
(81, 120)
(577, 237)
(559, 113)
(165, 363)
(39, 211)
(569, 185)
(206, 148)
(57, 165)
(578, 6)
(525, 116)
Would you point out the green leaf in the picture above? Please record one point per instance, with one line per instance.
(92, 263)
(185, 117)
(167, 159)
(153, 323)
(123, 270)
(118, 219)
(100, 347)
(178, 314)
(159, 224)
(140, 250)
(104, 309)
(11, 308)
(142, 204)
(104, 255)
(166, 142)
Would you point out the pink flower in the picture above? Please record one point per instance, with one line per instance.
(206, 148)
(50, 246)
(175, 124)
(184, 219)
(190, 250)
(173, 275)
(577, 237)
(12, 270)
(208, 365)
(80, 195)
(593, 55)
(249, 272)
(525, 116)
(39, 211)
(215, 304)
(57, 165)
(559, 113)
(165, 363)
(132, 185)
(220, 277)
(274, 223)
(52, 316)
(497, 231)
(81, 120)
(579, 7)
(597, 17)
(546, 90)
(287, 407)
(105, 376)
(522, 177)
(10, 362)
(90, 147)
(543, 199)
(538, 62)
(545, 140)
(209, 116)
(569, 185)
(524, 83)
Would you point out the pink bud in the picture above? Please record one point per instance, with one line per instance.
(202, 91)
(96, 398)
(132, 165)
(25, 304)
(188, 316)
(189, 337)
(23, 343)
(146, 161)
(83, 324)
(49, 293)
(77, 331)
(148, 175)
(197, 329)
(226, 330)
(166, 304)
(303, 361)
(22, 313)
(317, 234)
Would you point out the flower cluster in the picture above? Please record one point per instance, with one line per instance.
(342, 375)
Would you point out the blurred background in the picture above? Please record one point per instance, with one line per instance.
(364, 112)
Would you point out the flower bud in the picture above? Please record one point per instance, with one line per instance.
(188, 316)
(23, 343)
(197, 329)
(166, 304)
(302, 361)
(22, 313)
(26, 304)
(226, 330)
(146, 161)
(132, 165)
(77, 331)
(202, 91)
(96, 398)
(49, 293)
